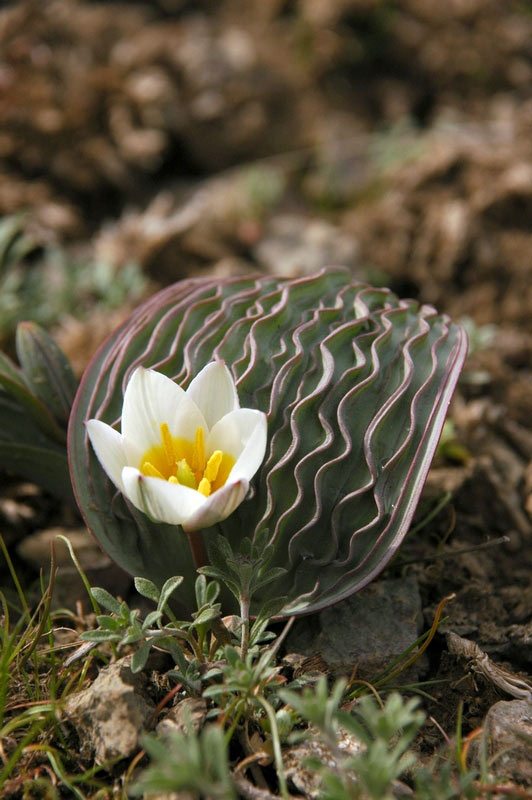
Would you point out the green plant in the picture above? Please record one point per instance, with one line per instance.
(188, 642)
(355, 384)
(123, 627)
(244, 573)
(35, 402)
(35, 679)
(45, 284)
(201, 658)
(439, 782)
(385, 732)
(15, 246)
(252, 710)
(36, 397)
(188, 762)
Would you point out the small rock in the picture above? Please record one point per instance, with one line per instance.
(190, 711)
(508, 727)
(112, 713)
(367, 631)
(35, 548)
(307, 780)
(68, 586)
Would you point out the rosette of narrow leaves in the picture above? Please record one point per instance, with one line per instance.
(35, 402)
(355, 384)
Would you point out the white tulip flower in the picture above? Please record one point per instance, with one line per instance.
(182, 457)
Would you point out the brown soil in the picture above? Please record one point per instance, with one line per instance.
(204, 138)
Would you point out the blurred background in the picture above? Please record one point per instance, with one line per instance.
(145, 142)
(141, 142)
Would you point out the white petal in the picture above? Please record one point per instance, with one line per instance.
(217, 506)
(242, 434)
(109, 448)
(214, 392)
(161, 500)
(151, 399)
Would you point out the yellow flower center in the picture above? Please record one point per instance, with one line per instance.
(179, 460)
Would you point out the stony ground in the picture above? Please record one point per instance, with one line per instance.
(394, 138)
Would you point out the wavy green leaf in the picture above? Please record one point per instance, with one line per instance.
(355, 383)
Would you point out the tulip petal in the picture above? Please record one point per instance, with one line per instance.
(213, 391)
(218, 506)
(161, 500)
(109, 448)
(151, 399)
(242, 434)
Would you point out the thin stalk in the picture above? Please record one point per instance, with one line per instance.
(429, 637)
(95, 607)
(244, 630)
(198, 549)
(201, 642)
(6, 656)
(171, 616)
(430, 516)
(459, 738)
(59, 770)
(458, 552)
(45, 605)
(15, 755)
(171, 633)
(83, 673)
(15, 579)
(282, 636)
(276, 742)
(129, 772)
(165, 633)
(234, 706)
(388, 670)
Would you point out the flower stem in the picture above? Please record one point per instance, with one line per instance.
(197, 546)
(244, 617)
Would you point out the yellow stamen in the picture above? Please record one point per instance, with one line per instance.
(180, 461)
(167, 444)
(204, 487)
(224, 471)
(185, 474)
(213, 465)
(151, 471)
(198, 453)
